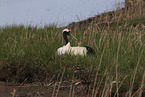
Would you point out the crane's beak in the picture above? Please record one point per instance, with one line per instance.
(73, 36)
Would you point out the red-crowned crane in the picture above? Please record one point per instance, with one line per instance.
(73, 50)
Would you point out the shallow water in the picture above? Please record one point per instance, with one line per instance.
(59, 12)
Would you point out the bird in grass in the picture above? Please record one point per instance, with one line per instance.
(67, 49)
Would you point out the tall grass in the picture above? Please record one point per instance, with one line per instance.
(117, 69)
(30, 52)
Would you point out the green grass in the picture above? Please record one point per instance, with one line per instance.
(28, 53)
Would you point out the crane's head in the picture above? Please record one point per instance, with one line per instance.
(66, 32)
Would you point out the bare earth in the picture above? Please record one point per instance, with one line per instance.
(37, 90)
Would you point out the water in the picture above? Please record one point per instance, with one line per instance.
(46, 12)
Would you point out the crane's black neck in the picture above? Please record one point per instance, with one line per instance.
(64, 34)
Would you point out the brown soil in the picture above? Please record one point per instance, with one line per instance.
(37, 90)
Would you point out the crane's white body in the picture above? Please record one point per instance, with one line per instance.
(67, 49)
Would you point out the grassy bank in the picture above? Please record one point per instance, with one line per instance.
(27, 54)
